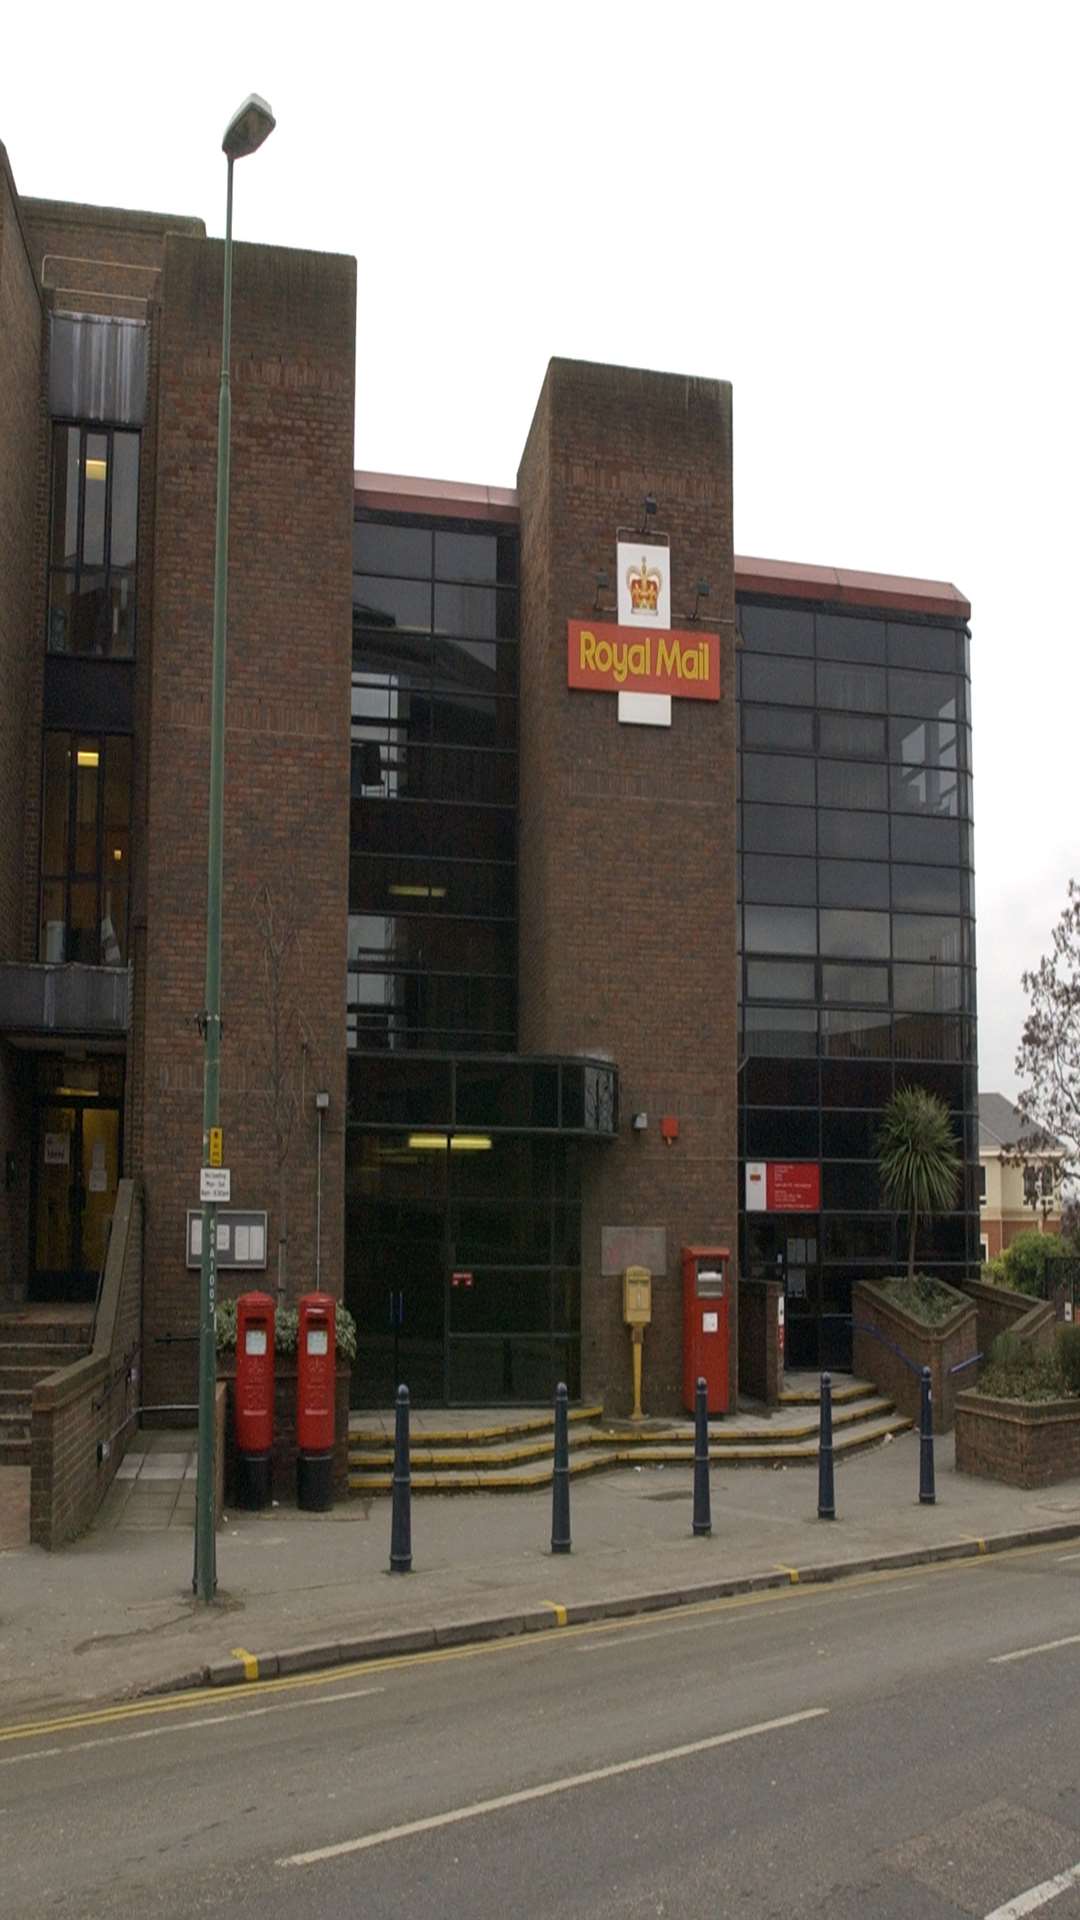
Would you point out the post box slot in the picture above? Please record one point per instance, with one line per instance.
(710, 1286)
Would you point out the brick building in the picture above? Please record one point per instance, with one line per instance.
(566, 1007)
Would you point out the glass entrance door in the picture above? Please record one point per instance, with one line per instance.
(76, 1171)
(784, 1247)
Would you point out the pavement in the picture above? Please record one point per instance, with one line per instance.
(113, 1615)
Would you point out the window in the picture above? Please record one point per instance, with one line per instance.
(854, 883)
(778, 776)
(853, 935)
(780, 980)
(787, 882)
(852, 688)
(777, 629)
(778, 727)
(85, 849)
(781, 930)
(782, 682)
(93, 542)
(852, 783)
(982, 1186)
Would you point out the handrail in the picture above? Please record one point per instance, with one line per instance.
(859, 1326)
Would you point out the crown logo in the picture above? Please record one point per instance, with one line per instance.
(644, 585)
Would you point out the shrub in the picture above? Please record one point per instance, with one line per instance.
(1027, 1265)
(286, 1328)
(1016, 1371)
(1068, 1350)
(924, 1297)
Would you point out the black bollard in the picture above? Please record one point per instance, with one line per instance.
(927, 1496)
(560, 1478)
(826, 1497)
(702, 1509)
(401, 1515)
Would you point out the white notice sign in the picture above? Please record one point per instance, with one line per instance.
(242, 1245)
(215, 1184)
(223, 1238)
(57, 1149)
(710, 1323)
(258, 1245)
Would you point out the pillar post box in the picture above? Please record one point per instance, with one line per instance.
(706, 1325)
(253, 1398)
(316, 1391)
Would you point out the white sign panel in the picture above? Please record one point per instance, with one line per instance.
(643, 574)
(755, 1186)
(57, 1149)
(214, 1183)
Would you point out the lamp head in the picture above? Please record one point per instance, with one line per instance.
(250, 125)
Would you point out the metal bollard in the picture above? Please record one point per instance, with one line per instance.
(927, 1496)
(560, 1478)
(826, 1497)
(401, 1516)
(702, 1508)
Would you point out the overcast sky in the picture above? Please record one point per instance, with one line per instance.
(864, 216)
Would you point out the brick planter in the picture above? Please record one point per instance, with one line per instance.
(939, 1347)
(283, 1459)
(1023, 1443)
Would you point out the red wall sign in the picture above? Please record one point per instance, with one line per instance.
(792, 1186)
(603, 658)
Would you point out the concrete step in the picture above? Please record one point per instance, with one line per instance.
(15, 1423)
(44, 1356)
(678, 1441)
(492, 1433)
(15, 1400)
(807, 1393)
(14, 1453)
(22, 1326)
(18, 1379)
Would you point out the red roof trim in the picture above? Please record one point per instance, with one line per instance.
(843, 586)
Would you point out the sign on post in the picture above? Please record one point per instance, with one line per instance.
(215, 1184)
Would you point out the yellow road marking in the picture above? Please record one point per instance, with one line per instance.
(558, 1611)
(251, 1664)
(792, 1572)
(834, 1590)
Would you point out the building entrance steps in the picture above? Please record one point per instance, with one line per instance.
(464, 1451)
(34, 1341)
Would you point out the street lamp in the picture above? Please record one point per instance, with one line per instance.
(244, 134)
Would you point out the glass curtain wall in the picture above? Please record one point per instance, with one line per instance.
(856, 972)
(432, 903)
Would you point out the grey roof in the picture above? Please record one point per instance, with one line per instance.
(1003, 1125)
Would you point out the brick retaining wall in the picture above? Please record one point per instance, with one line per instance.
(1025, 1444)
(939, 1348)
(79, 1408)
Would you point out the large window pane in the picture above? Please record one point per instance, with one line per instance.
(934, 648)
(781, 1083)
(847, 1035)
(54, 831)
(780, 1030)
(926, 889)
(850, 1136)
(784, 830)
(848, 1085)
(841, 637)
(852, 783)
(65, 501)
(781, 1135)
(932, 695)
(852, 733)
(780, 980)
(776, 629)
(778, 727)
(862, 836)
(782, 682)
(96, 476)
(924, 743)
(853, 883)
(851, 1184)
(787, 882)
(926, 937)
(930, 840)
(392, 603)
(378, 548)
(936, 989)
(851, 687)
(124, 506)
(780, 930)
(775, 776)
(933, 790)
(858, 985)
(854, 935)
(481, 613)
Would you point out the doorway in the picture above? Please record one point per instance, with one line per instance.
(76, 1172)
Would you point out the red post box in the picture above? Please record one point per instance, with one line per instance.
(253, 1398)
(706, 1323)
(316, 1389)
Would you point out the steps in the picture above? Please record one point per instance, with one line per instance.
(515, 1455)
(32, 1344)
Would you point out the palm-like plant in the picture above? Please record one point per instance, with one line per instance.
(918, 1159)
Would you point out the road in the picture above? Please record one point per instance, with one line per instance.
(899, 1745)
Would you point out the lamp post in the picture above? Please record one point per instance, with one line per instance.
(245, 132)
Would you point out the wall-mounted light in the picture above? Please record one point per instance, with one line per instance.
(701, 594)
(95, 469)
(322, 1101)
(87, 757)
(457, 1142)
(648, 511)
(410, 890)
(639, 1122)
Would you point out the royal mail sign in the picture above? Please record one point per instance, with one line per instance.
(604, 658)
(783, 1186)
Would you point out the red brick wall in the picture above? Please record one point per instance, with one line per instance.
(627, 834)
(287, 757)
(20, 434)
(940, 1348)
(1023, 1445)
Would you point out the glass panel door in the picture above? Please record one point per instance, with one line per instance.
(55, 1226)
(76, 1170)
(100, 1170)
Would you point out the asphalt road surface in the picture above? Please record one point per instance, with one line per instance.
(896, 1747)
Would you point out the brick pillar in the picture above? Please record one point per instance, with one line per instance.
(627, 836)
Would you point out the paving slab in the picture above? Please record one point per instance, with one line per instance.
(114, 1614)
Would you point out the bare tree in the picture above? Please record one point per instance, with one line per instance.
(286, 1044)
(1048, 1059)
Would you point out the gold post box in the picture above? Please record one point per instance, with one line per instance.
(637, 1296)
